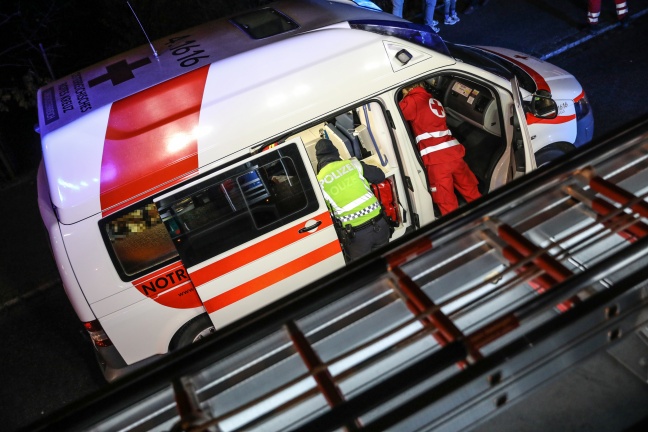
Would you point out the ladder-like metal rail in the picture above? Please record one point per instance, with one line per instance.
(457, 320)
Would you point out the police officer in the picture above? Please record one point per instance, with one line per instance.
(355, 208)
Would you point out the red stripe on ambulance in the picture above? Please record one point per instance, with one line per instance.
(169, 286)
(531, 119)
(539, 79)
(254, 252)
(272, 277)
(150, 140)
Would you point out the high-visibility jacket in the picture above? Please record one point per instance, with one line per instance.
(427, 118)
(348, 193)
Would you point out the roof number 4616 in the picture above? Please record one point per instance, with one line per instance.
(184, 49)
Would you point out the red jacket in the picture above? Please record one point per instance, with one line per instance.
(427, 118)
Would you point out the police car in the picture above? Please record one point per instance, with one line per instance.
(178, 184)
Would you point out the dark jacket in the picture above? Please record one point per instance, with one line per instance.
(326, 153)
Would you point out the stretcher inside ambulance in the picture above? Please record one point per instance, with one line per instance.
(197, 202)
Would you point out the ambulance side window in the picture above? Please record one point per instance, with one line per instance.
(138, 239)
(237, 206)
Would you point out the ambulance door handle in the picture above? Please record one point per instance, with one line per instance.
(312, 227)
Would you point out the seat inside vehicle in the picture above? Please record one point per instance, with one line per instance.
(473, 116)
(483, 150)
(345, 125)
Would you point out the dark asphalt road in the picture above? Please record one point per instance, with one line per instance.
(45, 360)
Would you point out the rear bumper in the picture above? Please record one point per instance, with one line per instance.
(113, 365)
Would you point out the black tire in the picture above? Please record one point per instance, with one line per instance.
(192, 331)
(551, 152)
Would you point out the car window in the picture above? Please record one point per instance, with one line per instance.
(138, 240)
(239, 205)
(492, 63)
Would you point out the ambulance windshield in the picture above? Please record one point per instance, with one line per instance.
(415, 33)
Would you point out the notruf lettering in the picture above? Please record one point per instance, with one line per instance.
(163, 282)
(146, 288)
(180, 273)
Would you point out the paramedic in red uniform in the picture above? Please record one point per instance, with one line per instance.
(594, 11)
(345, 183)
(442, 154)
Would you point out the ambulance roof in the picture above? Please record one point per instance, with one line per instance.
(71, 97)
(134, 125)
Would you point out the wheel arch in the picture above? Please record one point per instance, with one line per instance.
(194, 329)
(552, 151)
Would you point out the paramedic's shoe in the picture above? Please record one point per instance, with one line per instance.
(435, 23)
(625, 22)
(455, 17)
(434, 28)
(591, 29)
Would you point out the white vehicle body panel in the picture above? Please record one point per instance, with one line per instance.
(564, 88)
(161, 321)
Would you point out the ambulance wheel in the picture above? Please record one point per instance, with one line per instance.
(192, 331)
(552, 152)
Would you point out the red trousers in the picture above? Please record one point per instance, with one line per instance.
(594, 10)
(446, 177)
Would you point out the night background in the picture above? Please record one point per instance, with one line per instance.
(43, 40)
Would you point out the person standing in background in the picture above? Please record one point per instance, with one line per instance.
(451, 17)
(430, 6)
(594, 11)
(397, 8)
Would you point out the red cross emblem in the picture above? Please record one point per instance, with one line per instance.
(119, 72)
(436, 108)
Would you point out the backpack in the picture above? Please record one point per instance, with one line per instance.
(384, 191)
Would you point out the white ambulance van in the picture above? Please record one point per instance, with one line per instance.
(178, 184)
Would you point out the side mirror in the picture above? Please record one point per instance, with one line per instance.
(542, 105)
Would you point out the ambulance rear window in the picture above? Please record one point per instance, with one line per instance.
(138, 239)
(264, 23)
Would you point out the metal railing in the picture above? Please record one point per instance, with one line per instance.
(442, 329)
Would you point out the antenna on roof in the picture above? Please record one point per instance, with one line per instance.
(144, 31)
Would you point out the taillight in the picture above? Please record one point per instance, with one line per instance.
(97, 334)
(582, 106)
